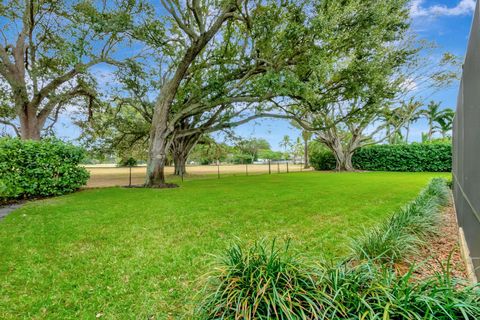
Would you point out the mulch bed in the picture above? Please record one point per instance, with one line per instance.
(442, 251)
(10, 202)
(163, 186)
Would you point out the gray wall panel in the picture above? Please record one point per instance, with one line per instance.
(466, 146)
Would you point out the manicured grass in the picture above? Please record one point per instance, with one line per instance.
(138, 253)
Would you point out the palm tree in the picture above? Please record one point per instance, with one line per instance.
(306, 135)
(412, 113)
(445, 121)
(394, 119)
(298, 149)
(432, 114)
(285, 143)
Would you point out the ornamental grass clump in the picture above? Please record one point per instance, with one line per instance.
(265, 283)
(369, 290)
(262, 282)
(407, 230)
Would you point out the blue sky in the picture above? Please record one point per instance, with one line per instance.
(445, 22)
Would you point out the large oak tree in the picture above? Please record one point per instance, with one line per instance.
(46, 50)
(254, 37)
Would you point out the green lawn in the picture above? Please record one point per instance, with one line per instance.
(138, 253)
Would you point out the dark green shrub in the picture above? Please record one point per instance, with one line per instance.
(242, 159)
(204, 162)
(128, 162)
(323, 160)
(415, 157)
(39, 168)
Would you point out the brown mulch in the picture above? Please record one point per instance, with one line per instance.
(11, 202)
(163, 186)
(442, 250)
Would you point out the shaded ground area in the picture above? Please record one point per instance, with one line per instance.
(141, 253)
(4, 210)
(114, 176)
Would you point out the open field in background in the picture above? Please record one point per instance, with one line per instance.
(118, 253)
(102, 176)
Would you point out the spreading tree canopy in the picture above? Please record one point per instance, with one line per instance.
(46, 50)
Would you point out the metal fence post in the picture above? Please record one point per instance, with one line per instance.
(287, 167)
(269, 168)
(130, 177)
(278, 167)
(218, 169)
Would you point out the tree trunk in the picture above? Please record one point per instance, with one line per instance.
(305, 155)
(180, 165)
(30, 125)
(182, 146)
(160, 132)
(180, 149)
(430, 130)
(158, 146)
(29, 130)
(156, 165)
(343, 157)
(179, 154)
(344, 162)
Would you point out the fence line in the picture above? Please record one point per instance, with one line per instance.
(466, 146)
(101, 176)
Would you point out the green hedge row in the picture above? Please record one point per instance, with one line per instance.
(322, 160)
(415, 157)
(39, 168)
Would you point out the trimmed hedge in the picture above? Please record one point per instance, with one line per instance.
(323, 160)
(39, 168)
(415, 157)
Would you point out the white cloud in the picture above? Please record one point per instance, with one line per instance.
(410, 85)
(103, 75)
(464, 7)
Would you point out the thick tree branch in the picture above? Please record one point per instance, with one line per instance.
(222, 126)
(13, 126)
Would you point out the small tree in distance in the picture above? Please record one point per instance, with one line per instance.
(129, 162)
(286, 143)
